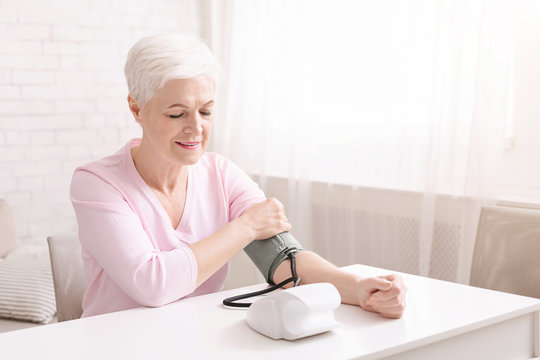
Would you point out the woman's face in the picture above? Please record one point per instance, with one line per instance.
(178, 119)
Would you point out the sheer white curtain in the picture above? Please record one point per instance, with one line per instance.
(379, 124)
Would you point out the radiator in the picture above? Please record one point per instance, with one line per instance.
(345, 236)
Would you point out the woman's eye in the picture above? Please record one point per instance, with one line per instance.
(205, 113)
(175, 116)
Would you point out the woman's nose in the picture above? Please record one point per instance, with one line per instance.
(194, 126)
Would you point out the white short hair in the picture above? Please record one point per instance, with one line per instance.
(156, 59)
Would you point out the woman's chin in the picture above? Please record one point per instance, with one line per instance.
(189, 159)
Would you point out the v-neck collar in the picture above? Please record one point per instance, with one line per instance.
(183, 225)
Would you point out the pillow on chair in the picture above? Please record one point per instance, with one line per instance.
(26, 285)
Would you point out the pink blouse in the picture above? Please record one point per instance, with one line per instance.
(132, 255)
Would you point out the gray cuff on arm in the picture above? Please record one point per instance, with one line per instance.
(269, 253)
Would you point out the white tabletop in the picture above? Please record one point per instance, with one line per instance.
(201, 327)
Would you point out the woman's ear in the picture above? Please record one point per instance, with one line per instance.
(135, 108)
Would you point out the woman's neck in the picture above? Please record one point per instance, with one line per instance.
(157, 172)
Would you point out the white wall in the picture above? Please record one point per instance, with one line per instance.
(62, 95)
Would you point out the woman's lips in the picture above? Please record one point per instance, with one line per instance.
(189, 145)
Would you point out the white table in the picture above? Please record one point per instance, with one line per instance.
(442, 321)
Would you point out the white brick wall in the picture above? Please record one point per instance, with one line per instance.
(63, 95)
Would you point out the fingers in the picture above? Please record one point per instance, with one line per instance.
(287, 227)
(275, 202)
(391, 308)
(377, 283)
(278, 210)
(386, 295)
(389, 303)
(267, 218)
(393, 313)
(395, 278)
(384, 304)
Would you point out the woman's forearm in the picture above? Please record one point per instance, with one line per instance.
(215, 251)
(312, 268)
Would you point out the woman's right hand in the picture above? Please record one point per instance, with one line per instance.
(266, 219)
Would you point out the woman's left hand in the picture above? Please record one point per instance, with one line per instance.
(383, 294)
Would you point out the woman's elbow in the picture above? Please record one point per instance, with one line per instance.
(153, 301)
(155, 284)
(156, 298)
(158, 293)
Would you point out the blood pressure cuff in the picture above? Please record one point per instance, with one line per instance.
(269, 253)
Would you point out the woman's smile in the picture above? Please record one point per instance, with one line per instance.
(189, 145)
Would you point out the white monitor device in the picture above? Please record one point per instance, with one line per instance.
(296, 312)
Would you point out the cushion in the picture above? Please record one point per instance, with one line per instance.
(8, 239)
(26, 285)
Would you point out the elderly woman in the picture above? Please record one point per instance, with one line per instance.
(160, 219)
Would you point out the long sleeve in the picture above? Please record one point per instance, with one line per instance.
(242, 191)
(114, 235)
